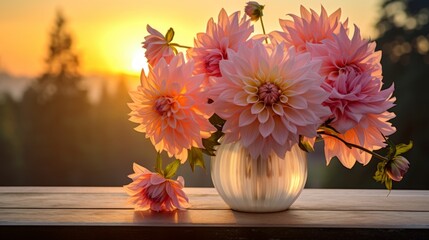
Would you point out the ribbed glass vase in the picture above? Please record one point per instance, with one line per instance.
(258, 185)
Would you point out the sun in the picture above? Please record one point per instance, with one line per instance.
(139, 61)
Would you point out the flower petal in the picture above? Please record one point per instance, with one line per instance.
(246, 118)
(257, 108)
(267, 128)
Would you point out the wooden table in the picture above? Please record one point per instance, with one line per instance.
(102, 213)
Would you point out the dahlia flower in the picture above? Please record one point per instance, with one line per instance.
(211, 47)
(342, 55)
(171, 108)
(352, 72)
(157, 47)
(353, 96)
(152, 191)
(309, 28)
(397, 168)
(268, 98)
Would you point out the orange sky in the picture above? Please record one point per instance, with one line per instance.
(108, 34)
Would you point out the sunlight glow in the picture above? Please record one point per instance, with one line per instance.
(139, 61)
(111, 42)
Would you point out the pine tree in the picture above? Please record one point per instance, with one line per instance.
(55, 115)
(62, 76)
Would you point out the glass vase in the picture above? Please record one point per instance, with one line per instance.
(258, 185)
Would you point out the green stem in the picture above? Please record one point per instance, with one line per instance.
(263, 29)
(178, 45)
(350, 145)
(158, 166)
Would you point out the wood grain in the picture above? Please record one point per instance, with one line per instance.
(317, 214)
(208, 198)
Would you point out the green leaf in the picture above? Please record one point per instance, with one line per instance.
(171, 169)
(208, 152)
(195, 158)
(217, 121)
(210, 143)
(381, 176)
(305, 145)
(378, 176)
(169, 35)
(158, 166)
(388, 184)
(403, 148)
(213, 141)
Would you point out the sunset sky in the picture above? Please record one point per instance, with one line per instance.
(108, 34)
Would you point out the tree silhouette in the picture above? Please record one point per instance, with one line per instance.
(61, 76)
(54, 114)
(10, 144)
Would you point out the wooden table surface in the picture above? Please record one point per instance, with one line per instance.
(103, 213)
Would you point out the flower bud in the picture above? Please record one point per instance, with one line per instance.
(397, 168)
(254, 10)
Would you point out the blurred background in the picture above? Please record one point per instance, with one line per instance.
(66, 68)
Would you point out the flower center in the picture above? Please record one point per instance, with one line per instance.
(345, 67)
(349, 69)
(269, 93)
(163, 105)
(212, 62)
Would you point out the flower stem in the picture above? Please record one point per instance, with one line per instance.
(263, 29)
(350, 145)
(178, 45)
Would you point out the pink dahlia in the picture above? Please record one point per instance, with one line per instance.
(368, 133)
(268, 98)
(342, 55)
(171, 108)
(353, 96)
(152, 191)
(157, 47)
(352, 72)
(309, 28)
(211, 47)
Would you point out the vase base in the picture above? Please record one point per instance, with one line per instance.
(261, 206)
(261, 211)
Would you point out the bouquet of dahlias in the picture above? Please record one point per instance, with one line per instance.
(313, 80)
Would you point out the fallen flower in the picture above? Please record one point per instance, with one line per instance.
(151, 190)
